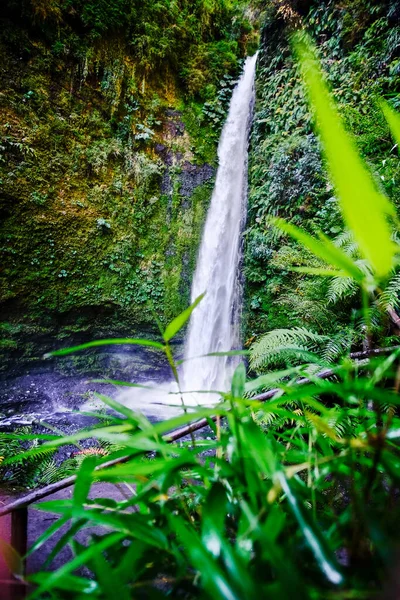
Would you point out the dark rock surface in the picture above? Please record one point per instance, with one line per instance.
(53, 389)
(192, 176)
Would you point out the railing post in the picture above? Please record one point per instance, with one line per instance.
(19, 530)
(13, 530)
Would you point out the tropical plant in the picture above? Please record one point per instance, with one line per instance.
(292, 497)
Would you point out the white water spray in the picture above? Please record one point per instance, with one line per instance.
(214, 324)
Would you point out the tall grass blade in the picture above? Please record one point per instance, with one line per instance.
(110, 342)
(177, 324)
(322, 248)
(393, 119)
(365, 210)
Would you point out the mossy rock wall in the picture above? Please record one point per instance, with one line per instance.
(107, 160)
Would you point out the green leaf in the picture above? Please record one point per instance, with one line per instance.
(214, 538)
(214, 515)
(213, 579)
(324, 557)
(393, 119)
(50, 531)
(177, 324)
(69, 583)
(66, 538)
(239, 381)
(136, 418)
(111, 585)
(84, 479)
(270, 378)
(54, 579)
(110, 342)
(365, 210)
(323, 248)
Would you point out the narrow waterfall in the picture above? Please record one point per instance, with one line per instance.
(214, 325)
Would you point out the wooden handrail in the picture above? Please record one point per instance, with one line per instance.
(19, 508)
(173, 437)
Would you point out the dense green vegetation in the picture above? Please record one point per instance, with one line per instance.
(292, 497)
(358, 44)
(295, 493)
(109, 117)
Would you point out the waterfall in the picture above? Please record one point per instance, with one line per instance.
(214, 324)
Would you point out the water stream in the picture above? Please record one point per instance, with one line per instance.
(215, 323)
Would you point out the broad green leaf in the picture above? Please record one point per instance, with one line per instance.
(213, 579)
(66, 538)
(127, 565)
(133, 525)
(270, 378)
(177, 324)
(365, 210)
(50, 531)
(69, 583)
(127, 435)
(110, 342)
(215, 540)
(136, 470)
(111, 585)
(291, 582)
(136, 418)
(257, 447)
(213, 522)
(84, 480)
(393, 119)
(323, 248)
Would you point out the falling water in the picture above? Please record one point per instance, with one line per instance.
(214, 325)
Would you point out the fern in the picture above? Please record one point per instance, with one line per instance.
(340, 288)
(390, 295)
(339, 344)
(282, 345)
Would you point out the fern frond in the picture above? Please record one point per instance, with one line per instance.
(390, 297)
(347, 243)
(283, 344)
(341, 287)
(370, 319)
(339, 345)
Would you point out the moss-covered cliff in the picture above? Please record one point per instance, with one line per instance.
(359, 45)
(109, 118)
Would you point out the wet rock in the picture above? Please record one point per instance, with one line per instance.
(192, 176)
